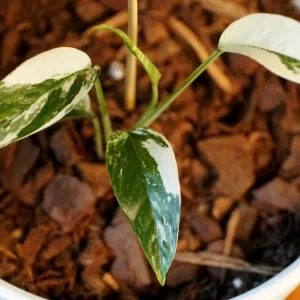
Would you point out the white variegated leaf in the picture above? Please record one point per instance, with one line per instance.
(271, 40)
(42, 90)
(144, 176)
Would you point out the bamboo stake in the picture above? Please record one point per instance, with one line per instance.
(131, 64)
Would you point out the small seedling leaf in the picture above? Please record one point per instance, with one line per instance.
(42, 90)
(81, 110)
(144, 176)
(271, 40)
(149, 67)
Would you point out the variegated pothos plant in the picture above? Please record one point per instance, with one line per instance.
(54, 85)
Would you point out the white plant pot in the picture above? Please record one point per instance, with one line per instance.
(277, 288)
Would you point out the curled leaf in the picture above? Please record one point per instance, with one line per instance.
(149, 67)
(272, 40)
(42, 90)
(144, 176)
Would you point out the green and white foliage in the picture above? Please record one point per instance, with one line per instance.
(271, 40)
(82, 109)
(42, 90)
(144, 176)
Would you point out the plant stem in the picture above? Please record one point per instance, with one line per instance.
(131, 63)
(154, 113)
(103, 111)
(98, 137)
(152, 103)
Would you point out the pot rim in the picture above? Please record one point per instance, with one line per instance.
(277, 288)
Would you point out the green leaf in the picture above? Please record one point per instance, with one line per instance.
(144, 176)
(271, 40)
(42, 91)
(149, 67)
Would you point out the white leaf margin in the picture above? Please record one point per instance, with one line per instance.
(266, 38)
(56, 63)
(165, 160)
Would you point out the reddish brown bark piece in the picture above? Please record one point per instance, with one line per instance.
(188, 241)
(271, 95)
(221, 207)
(243, 64)
(57, 246)
(166, 50)
(24, 160)
(155, 31)
(199, 172)
(7, 268)
(90, 11)
(130, 265)
(7, 155)
(179, 136)
(95, 254)
(67, 200)
(93, 282)
(263, 149)
(205, 227)
(180, 273)
(247, 217)
(116, 4)
(29, 191)
(51, 283)
(232, 158)
(6, 240)
(64, 147)
(166, 5)
(278, 194)
(33, 244)
(97, 176)
(10, 45)
(93, 258)
(291, 167)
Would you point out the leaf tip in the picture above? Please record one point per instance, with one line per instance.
(160, 277)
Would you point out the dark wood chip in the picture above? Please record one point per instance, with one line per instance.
(33, 243)
(24, 160)
(94, 174)
(57, 246)
(64, 147)
(129, 265)
(205, 227)
(278, 194)
(232, 158)
(67, 200)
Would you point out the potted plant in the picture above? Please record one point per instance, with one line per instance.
(141, 163)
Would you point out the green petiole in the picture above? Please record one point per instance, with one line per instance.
(152, 113)
(103, 111)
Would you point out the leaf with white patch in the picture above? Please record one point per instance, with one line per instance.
(42, 90)
(144, 176)
(271, 40)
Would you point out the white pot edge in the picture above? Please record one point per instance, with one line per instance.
(10, 292)
(276, 288)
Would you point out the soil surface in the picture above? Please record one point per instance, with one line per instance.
(236, 136)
